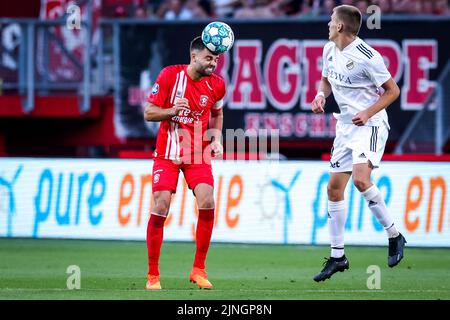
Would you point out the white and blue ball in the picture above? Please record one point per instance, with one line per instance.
(218, 37)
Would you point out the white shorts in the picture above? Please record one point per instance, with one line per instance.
(357, 144)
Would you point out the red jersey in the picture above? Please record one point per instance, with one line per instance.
(183, 135)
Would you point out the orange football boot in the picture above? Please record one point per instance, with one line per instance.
(153, 283)
(200, 277)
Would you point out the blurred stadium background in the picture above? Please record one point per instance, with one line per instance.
(75, 151)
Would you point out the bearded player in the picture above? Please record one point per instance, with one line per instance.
(185, 99)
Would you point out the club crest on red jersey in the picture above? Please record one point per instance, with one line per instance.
(203, 100)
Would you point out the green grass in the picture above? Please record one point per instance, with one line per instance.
(36, 269)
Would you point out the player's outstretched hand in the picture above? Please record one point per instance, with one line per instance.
(360, 118)
(318, 104)
(217, 149)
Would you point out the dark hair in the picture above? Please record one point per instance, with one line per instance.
(350, 16)
(197, 44)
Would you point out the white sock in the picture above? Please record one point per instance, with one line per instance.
(378, 207)
(336, 224)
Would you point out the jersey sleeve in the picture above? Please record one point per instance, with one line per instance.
(218, 105)
(161, 90)
(325, 61)
(376, 70)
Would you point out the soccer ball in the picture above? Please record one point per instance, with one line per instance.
(218, 37)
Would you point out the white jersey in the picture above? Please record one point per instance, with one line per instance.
(355, 74)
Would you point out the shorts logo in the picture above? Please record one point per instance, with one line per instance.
(335, 164)
(156, 178)
(203, 100)
(155, 88)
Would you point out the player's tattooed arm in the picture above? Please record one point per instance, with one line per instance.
(155, 113)
(324, 91)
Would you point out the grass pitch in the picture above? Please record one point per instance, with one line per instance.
(36, 269)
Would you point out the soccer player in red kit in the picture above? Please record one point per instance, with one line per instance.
(185, 98)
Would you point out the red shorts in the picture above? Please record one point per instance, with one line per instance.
(165, 175)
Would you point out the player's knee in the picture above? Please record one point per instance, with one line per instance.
(361, 184)
(206, 202)
(161, 206)
(334, 194)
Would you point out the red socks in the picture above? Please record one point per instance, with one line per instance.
(155, 231)
(203, 234)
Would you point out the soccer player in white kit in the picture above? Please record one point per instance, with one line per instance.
(354, 72)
